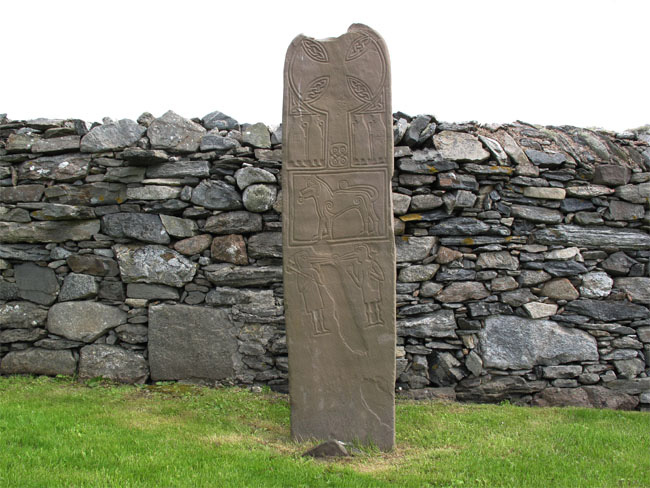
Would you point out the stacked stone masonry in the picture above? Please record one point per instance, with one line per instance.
(151, 250)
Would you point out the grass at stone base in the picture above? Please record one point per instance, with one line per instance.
(56, 432)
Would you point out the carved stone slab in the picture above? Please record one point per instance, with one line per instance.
(339, 253)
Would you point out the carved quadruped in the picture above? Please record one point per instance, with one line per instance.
(339, 255)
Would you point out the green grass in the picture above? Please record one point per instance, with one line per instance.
(56, 432)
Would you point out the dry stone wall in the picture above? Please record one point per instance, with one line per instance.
(151, 250)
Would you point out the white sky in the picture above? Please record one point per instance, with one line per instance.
(575, 62)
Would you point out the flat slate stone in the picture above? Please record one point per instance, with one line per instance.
(151, 292)
(153, 264)
(179, 169)
(593, 237)
(38, 232)
(256, 135)
(56, 145)
(24, 252)
(101, 193)
(230, 249)
(637, 289)
(83, 321)
(409, 249)
(113, 363)
(187, 342)
(39, 361)
(537, 214)
(237, 222)
(56, 211)
(440, 324)
(265, 245)
(243, 276)
(541, 158)
(607, 311)
(339, 253)
(113, 136)
(21, 193)
(511, 342)
(219, 120)
(36, 283)
(60, 168)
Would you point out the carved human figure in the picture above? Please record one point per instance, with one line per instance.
(311, 288)
(368, 276)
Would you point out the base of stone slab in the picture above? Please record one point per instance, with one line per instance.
(331, 448)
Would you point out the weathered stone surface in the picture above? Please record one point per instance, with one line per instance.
(56, 145)
(545, 193)
(607, 311)
(560, 289)
(112, 136)
(101, 193)
(8, 291)
(537, 214)
(55, 211)
(459, 226)
(230, 248)
(625, 211)
(594, 237)
(229, 275)
(216, 195)
(175, 133)
(629, 368)
(518, 297)
(401, 203)
(219, 120)
(259, 198)
(510, 342)
(445, 369)
(37, 232)
(460, 291)
(140, 226)
(417, 273)
(634, 193)
(215, 142)
(60, 168)
(586, 396)
(453, 181)
(410, 249)
(133, 333)
(618, 264)
(538, 310)
(93, 264)
(250, 175)
(21, 335)
(596, 285)
(497, 260)
(178, 227)
(22, 193)
(540, 158)
(207, 349)
(144, 157)
(237, 222)
(636, 289)
(425, 202)
(564, 268)
(194, 245)
(564, 254)
(78, 287)
(151, 292)
(460, 146)
(83, 321)
(113, 363)
(588, 191)
(497, 388)
(179, 169)
(36, 283)
(438, 324)
(256, 135)
(265, 245)
(21, 315)
(515, 152)
(612, 175)
(153, 264)
(39, 361)
(153, 192)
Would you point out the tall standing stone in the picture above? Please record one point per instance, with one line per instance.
(339, 251)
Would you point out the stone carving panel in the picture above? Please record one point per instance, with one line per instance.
(339, 255)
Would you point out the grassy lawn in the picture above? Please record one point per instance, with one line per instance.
(55, 432)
